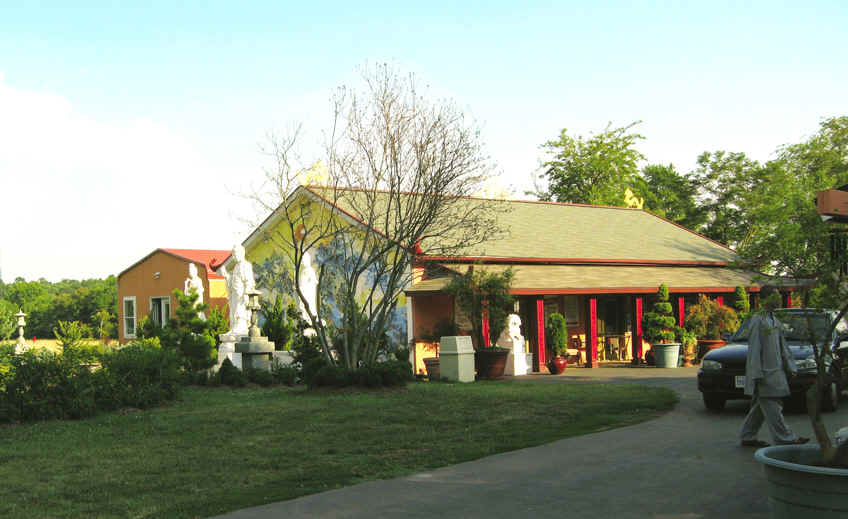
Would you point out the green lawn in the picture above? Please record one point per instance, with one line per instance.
(220, 449)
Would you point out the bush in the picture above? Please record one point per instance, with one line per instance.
(658, 324)
(556, 334)
(391, 373)
(229, 375)
(281, 374)
(710, 321)
(259, 376)
(141, 374)
(44, 385)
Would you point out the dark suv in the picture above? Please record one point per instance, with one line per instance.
(722, 374)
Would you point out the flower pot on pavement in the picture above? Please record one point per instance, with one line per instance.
(557, 365)
(490, 362)
(665, 355)
(798, 488)
(705, 345)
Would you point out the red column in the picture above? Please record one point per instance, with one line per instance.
(720, 300)
(540, 331)
(592, 342)
(637, 336)
(485, 326)
(681, 310)
(787, 300)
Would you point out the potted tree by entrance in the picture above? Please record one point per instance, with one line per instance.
(485, 296)
(658, 326)
(556, 335)
(711, 323)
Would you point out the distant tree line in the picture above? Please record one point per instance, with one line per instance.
(92, 302)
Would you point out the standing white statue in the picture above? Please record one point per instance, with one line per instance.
(518, 350)
(194, 281)
(239, 282)
(308, 281)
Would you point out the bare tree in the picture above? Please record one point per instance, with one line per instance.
(399, 173)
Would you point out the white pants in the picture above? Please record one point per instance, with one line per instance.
(769, 410)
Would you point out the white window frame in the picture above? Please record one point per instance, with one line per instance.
(125, 316)
(166, 315)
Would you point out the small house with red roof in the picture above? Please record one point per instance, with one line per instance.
(144, 288)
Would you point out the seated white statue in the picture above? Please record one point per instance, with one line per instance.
(511, 338)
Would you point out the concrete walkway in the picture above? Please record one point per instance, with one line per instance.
(684, 465)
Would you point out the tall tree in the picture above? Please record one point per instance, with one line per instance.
(594, 170)
(787, 236)
(413, 162)
(723, 180)
(671, 195)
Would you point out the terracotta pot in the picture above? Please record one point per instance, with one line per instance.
(490, 362)
(705, 345)
(432, 364)
(557, 365)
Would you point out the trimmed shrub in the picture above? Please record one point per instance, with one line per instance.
(141, 374)
(230, 375)
(556, 334)
(281, 374)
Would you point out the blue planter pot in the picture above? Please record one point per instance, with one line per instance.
(797, 488)
(665, 355)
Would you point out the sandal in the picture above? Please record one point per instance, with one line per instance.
(755, 443)
(797, 441)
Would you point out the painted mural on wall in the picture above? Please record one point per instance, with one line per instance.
(274, 275)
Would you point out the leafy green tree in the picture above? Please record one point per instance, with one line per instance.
(787, 237)
(278, 326)
(724, 181)
(741, 302)
(8, 321)
(556, 334)
(594, 170)
(671, 195)
(188, 334)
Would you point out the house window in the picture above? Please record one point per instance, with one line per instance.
(160, 310)
(129, 317)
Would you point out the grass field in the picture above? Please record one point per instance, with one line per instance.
(220, 449)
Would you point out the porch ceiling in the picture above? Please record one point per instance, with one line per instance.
(576, 279)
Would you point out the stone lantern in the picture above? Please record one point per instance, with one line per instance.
(21, 323)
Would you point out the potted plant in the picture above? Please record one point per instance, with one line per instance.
(711, 323)
(444, 328)
(658, 326)
(485, 296)
(688, 346)
(556, 335)
(810, 480)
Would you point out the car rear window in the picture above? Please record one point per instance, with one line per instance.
(795, 327)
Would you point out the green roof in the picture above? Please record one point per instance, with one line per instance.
(548, 230)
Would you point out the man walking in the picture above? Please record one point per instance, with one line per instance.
(769, 360)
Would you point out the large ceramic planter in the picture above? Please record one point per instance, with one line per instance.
(433, 367)
(705, 345)
(799, 489)
(665, 355)
(490, 362)
(557, 365)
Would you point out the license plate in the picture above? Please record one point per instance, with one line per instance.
(739, 381)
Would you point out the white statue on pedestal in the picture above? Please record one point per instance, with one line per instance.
(239, 282)
(511, 338)
(194, 281)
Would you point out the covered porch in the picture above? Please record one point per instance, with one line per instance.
(603, 305)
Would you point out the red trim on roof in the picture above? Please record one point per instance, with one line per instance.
(208, 257)
(636, 290)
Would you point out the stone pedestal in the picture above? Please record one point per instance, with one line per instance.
(456, 359)
(227, 350)
(255, 352)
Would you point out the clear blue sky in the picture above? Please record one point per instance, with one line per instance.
(123, 129)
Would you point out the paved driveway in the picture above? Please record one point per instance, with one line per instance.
(686, 464)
